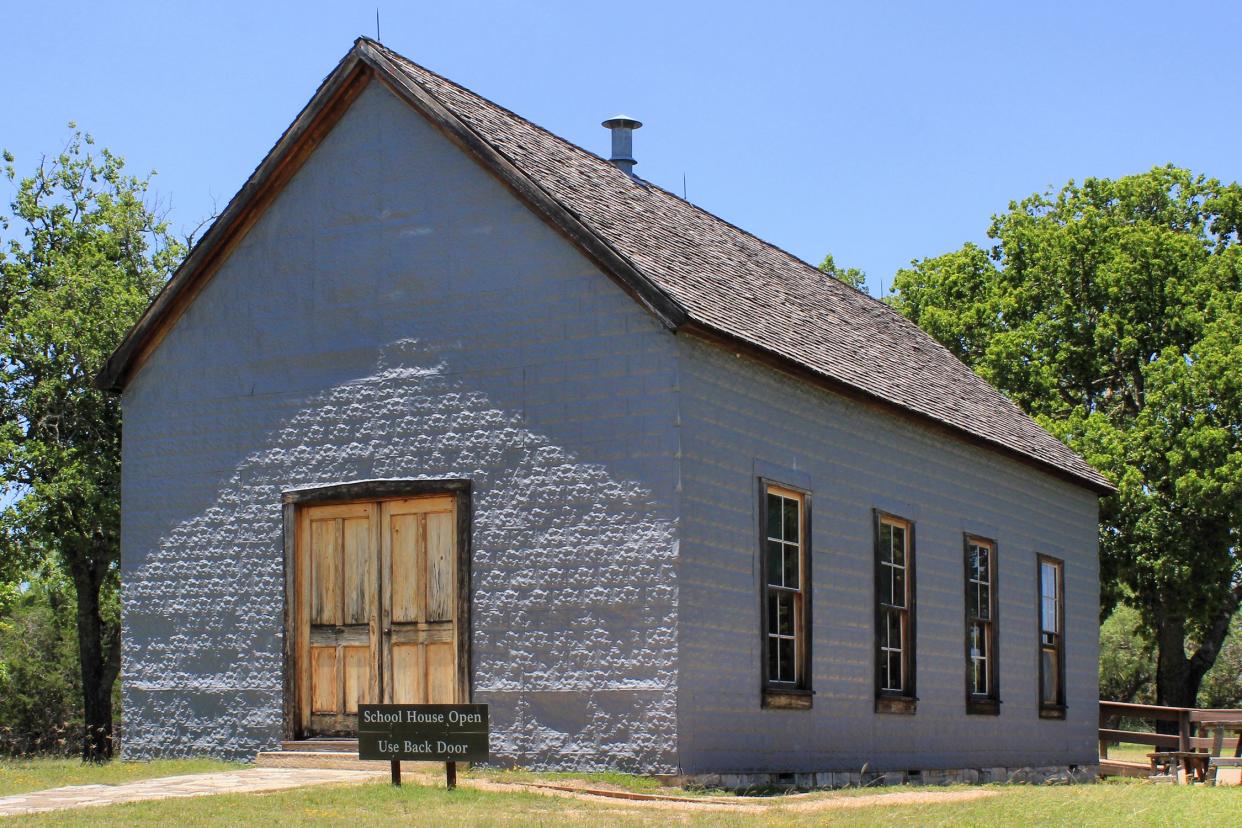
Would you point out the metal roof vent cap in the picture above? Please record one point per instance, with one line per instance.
(622, 127)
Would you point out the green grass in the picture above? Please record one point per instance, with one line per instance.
(22, 775)
(1132, 804)
(1131, 752)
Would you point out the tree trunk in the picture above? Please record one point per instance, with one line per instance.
(99, 655)
(1177, 677)
(1176, 683)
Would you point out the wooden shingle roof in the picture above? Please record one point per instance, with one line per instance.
(696, 272)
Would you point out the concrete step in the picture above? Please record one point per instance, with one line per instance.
(322, 745)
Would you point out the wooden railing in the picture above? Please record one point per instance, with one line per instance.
(1187, 719)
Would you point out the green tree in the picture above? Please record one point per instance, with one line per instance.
(1110, 311)
(1127, 658)
(40, 683)
(852, 276)
(80, 258)
(1128, 663)
(1222, 686)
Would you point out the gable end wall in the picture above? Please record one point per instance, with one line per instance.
(397, 313)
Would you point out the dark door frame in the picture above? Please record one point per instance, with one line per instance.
(363, 490)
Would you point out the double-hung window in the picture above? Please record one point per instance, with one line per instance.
(1051, 638)
(982, 691)
(785, 555)
(894, 576)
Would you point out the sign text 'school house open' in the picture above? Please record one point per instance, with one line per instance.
(444, 409)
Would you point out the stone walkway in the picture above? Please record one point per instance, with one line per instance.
(251, 780)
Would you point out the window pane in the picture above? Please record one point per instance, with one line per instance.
(885, 680)
(772, 597)
(886, 543)
(979, 634)
(773, 660)
(786, 646)
(774, 515)
(899, 545)
(898, 598)
(791, 566)
(776, 565)
(791, 520)
(893, 632)
(1048, 692)
(984, 601)
(1048, 615)
(895, 679)
(984, 566)
(784, 613)
(1048, 580)
(972, 601)
(979, 677)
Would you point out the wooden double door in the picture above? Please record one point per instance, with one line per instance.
(376, 609)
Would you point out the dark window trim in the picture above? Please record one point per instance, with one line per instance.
(983, 705)
(889, 701)
(1050, 710)
(780, 695)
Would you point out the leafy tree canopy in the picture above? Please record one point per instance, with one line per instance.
(852, 276)
(80, 258)
(1110, 311)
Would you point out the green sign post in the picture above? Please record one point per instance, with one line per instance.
(448, 733)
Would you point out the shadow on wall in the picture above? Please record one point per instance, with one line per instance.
(574, 597)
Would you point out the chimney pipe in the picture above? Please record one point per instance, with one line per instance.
(622, 127)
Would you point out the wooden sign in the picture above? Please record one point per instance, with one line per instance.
(449, 733)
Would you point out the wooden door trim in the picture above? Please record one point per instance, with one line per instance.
(373, 490)
(295, 501)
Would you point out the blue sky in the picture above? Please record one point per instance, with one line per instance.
(879, 132)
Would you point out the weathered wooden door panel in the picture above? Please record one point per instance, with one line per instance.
(441, 673)
(376, 608)
(419, 597)
(340, 592)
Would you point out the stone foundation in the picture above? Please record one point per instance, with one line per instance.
(1046, 775)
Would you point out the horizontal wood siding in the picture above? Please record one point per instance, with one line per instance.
(742, 420)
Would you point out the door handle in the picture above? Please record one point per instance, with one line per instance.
(387, 630)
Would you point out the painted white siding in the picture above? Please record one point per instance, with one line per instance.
(397, 313)
(741, 419)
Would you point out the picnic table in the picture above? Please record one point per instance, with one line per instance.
(1168, 762)
(1218, 730)
(1201, 765)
